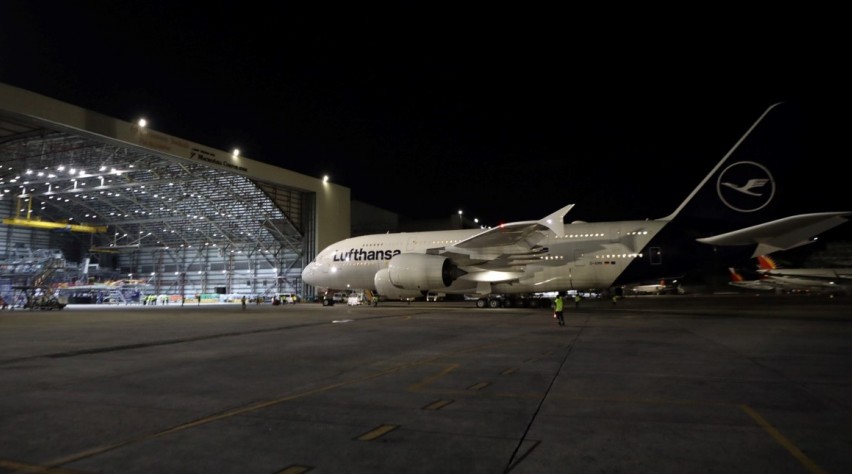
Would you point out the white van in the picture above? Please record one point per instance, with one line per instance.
(435, 296)
(288, 298)
(353, 300)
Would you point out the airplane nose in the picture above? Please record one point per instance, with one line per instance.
(309, 274)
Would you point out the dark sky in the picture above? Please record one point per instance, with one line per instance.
(427, 108)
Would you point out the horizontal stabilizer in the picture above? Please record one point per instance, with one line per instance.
(781, 234)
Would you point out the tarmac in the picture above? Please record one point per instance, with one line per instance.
(667, 384)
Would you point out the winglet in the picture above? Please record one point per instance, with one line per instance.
(554, 221)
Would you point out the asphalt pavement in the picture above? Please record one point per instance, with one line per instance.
(670, 384)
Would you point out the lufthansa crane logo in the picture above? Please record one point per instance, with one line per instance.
(745, 186)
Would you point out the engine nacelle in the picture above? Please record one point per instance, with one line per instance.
(385, 288)
(415, 271)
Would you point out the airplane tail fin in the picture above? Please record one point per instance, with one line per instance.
(753, 194)
(735, 277)
(765, 262)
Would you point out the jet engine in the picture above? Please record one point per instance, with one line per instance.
(422, 272)
(387, 289)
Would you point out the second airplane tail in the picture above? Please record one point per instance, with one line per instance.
(735, 276)
(765, 262)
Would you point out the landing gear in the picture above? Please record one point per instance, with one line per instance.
(513, 301)
(489, 303)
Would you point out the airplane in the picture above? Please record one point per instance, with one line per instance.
(738, 211)
(738, 280)
(663, 286)
(823, 280)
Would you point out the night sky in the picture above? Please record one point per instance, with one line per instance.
(425, 109)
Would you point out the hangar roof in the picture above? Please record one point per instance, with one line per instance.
(147, 200)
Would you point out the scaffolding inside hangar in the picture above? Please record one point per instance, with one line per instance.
(121, 211)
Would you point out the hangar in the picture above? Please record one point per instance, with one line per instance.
(87, 198)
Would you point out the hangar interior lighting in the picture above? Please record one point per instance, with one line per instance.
(135, 192)
(161, 216)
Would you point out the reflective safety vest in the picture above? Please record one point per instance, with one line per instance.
(558, 303)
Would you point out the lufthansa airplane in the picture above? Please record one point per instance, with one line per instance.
(735, 213)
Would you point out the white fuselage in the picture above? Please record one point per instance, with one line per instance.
(588, 255)
(809, 277)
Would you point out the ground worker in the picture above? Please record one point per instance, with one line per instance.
(558, 307)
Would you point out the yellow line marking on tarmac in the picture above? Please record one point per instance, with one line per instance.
(15, 466)
(530, 395)
(533, 359)
(437, 405)
(508, 371)
(650, 401)
(807, 462)
(783, 441)
(479, 394)
(479, 386)
(430, 379)
(259, 405)
(377, 432)
(294, 470)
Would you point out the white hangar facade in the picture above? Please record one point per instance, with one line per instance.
(87, 198)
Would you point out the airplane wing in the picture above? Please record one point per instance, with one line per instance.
(515, 232)
(504, 247)
(781, 234)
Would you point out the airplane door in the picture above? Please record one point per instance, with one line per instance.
(655, 255)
